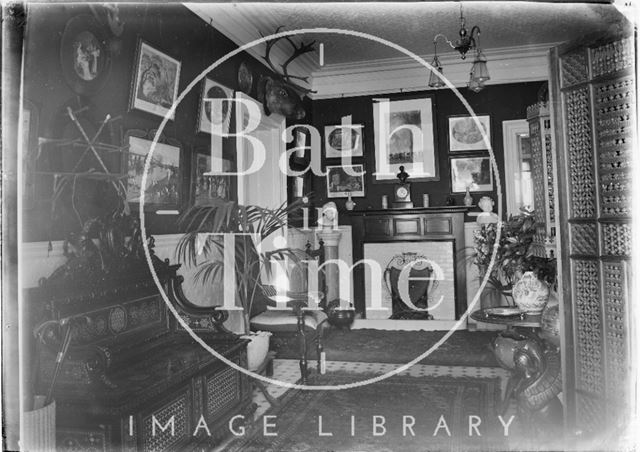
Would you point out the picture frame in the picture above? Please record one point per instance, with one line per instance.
(405, 136)
(245, 78)
(85, 55)
(464, 134)
(298, 187)
(474, 172)
(29, 152)
(155, 81)
(342, 141)
(340, 183)
(206, 117)
(206, 189)
(301, 137)
(164, 180)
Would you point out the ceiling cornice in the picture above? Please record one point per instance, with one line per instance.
(506, 65)
(242, 29)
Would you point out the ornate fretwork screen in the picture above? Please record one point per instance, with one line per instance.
(543, 170)
(594, 90)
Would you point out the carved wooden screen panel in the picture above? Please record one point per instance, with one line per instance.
(595, 87)
(543, 170)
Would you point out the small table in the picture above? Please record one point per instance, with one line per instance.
(511, 322)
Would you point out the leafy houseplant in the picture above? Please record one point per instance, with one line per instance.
(545, 269)
(205, 251)
(513, 253)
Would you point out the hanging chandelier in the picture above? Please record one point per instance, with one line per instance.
(467, 41)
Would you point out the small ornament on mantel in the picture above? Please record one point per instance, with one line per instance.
(468, 199)
(402, 191)
(350, 203)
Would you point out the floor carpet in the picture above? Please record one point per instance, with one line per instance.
(439, 405)
(463, 348)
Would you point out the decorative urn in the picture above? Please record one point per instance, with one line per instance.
(530, 294)
(339, 317)
(350, 203)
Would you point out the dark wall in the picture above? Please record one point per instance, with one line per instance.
(501, 102)
(172, 29)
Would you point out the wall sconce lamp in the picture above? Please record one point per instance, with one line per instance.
(468, 41)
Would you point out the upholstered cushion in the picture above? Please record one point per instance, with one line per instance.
(281, 320)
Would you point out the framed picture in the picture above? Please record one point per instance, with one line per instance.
(245, 78)
(29, 152)
(208, 188)
(163, 178)
(404, 136)
(473, 172)
(155, 82)
(298, 187)
(301, 136)
(85, 55)
(464, 134)
(343, 140)
(207, 114)
(342, 180)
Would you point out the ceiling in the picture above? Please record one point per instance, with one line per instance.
(413, 25)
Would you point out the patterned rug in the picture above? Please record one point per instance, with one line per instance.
(429, 405)
(463, 348)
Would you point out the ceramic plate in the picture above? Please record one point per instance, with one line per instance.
(503, 312)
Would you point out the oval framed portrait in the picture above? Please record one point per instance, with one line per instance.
(245, 78)
(214, 113)
(85, 56)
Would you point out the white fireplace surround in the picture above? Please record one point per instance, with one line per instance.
(441, 295)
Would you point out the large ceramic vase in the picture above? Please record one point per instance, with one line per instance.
(530, 294)
(257, 349)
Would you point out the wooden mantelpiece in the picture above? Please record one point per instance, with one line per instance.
(416, 224)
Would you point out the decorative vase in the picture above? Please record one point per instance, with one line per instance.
(468, 199)
(257, 348)
(349, 204)
(530, 294)
(340, 318)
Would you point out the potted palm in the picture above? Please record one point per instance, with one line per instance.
(512, 257)
(205, 251)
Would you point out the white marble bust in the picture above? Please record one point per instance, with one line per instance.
(329, 218)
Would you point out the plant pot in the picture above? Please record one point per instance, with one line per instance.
(340, 318)
(257, 349)
(530, 294)
(40, 427)
(490, 298)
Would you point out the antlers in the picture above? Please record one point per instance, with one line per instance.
(297, 51)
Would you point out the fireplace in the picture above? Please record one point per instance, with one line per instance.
(431, 241)
(418, 280)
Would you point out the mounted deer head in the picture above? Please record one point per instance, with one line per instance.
(279, 94)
